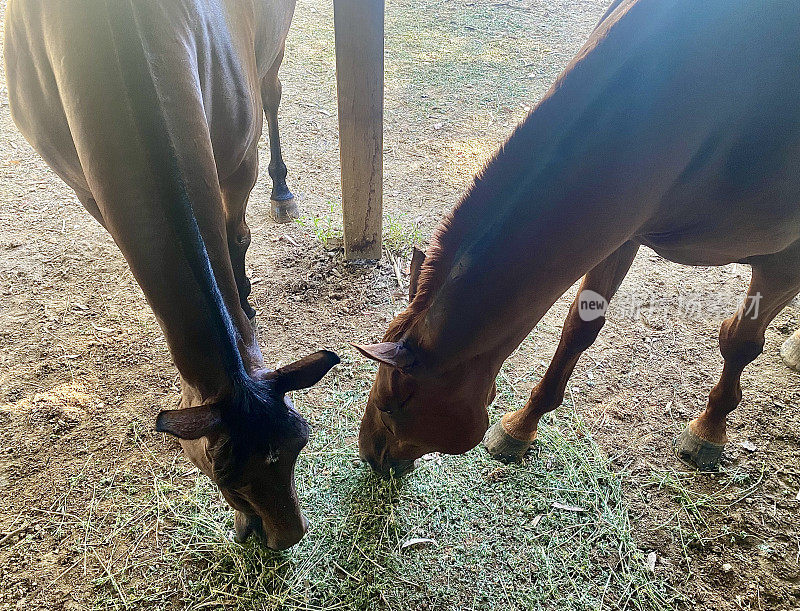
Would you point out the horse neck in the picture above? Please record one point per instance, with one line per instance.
(514, 245)
(192, 342)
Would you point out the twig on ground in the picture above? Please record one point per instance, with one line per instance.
(16, 531)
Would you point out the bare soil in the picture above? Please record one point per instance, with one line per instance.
(84, 367)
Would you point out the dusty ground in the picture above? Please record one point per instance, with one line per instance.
(84, 367)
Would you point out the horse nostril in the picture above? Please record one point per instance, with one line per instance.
(244, 525)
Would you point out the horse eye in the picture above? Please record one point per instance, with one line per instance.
(405, 401)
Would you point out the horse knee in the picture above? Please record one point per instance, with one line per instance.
(239, 239)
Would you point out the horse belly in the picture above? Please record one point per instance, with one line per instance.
(727, 232)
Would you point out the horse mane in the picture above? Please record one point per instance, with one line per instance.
(498, 182)
(445, 242)
(502, 178)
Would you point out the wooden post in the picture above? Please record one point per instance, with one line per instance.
(359, 81)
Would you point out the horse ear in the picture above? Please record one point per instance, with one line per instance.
(389, 353)
(417, 259)
(191, 422)
(304, 373)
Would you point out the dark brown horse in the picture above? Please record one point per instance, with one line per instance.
(677, 126)
(152, 112)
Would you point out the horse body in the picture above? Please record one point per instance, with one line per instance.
(676, 126)
(151, 112)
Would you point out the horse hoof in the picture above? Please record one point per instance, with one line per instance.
(790, 351)
(283, 211)
(502, 446)
(696, 452)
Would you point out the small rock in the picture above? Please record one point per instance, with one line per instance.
(749, 445)
(431, 456)
(727, 568)
(651, 561)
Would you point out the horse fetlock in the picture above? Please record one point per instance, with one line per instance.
(697, 452)
(503, 446)
(278, 172)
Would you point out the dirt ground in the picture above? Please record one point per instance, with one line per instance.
(84, 367)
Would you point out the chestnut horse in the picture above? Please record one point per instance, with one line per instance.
(677, 126)
(152, 112)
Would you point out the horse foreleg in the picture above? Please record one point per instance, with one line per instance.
(282, 205)
(235, 193)
(511, 437)
(774, 283)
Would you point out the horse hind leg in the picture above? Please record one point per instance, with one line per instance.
(509, 438)
(283, 207)
(775, 282)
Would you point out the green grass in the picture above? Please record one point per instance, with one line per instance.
(161, 536)
(400, 234)
(465, 58)
(472, 57)
(326, 229)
